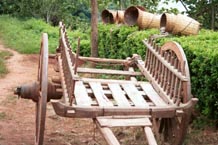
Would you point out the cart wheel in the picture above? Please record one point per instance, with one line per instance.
(43, 88)
(172, 131)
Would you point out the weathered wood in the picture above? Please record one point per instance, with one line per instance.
(131, 69)
(108, 135)
(99, 94)
(65, 97)
(134, 95)
(125, 122)
(81, 95)
(157, 87)
(105, 60)
(118, 95)
(167, 64)
(106, 81)
(152, 94)
(150, 136)
(108, 71)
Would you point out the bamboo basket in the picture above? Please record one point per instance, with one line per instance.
(185, 25)
(167, 21)
(109, 16)
(120, 16)
(179, 24)
(149, 20)
(133, 15)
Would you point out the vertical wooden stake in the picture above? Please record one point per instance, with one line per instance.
(94, 28)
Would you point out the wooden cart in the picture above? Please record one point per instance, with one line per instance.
(154, 93)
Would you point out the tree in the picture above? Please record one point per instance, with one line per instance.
(205, 11)
(94, 28)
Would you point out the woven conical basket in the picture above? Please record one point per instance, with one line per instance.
(133, 15)
(120, 16)
(167, 21)
(109, 16)
(185, 25)
(149, 20)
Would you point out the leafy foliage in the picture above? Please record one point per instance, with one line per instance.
(201, 52)
(205, 11)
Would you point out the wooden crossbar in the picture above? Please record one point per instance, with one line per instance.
(105, 123)
(108, 71)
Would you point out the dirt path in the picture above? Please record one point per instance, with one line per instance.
(21, 70)
(17, 115)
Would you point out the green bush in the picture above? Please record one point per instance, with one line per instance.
(201, 52)
(121, 41)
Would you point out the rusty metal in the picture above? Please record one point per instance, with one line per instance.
(31, 91)
(28, 91)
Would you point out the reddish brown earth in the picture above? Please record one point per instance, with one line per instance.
(17, 115)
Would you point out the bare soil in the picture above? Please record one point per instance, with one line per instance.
(17, 116)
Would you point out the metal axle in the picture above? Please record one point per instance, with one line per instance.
(32, 91)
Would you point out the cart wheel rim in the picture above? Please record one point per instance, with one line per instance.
(173, 130)
(43, 87)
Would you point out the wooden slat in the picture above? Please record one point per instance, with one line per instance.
(131, 69)
(108, 135)
(155, 83)
(166, 64)
(106, 81)
(99, 94)
(150, 136)
(104, 60)
(63, 84)
(107, 71)
(117, 122)
(81, 94)
(152, 94)
(135, 95)
(118, 95)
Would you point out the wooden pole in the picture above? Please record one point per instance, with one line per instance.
(94, 28)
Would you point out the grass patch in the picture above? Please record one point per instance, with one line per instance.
(2, 115)
(3, 56)
(25, 35)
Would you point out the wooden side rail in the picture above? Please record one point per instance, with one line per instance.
(68, 62)
(167, 69)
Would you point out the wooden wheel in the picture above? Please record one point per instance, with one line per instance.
(172, 131)
(43, 88)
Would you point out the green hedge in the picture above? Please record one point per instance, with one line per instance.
(201, 52)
